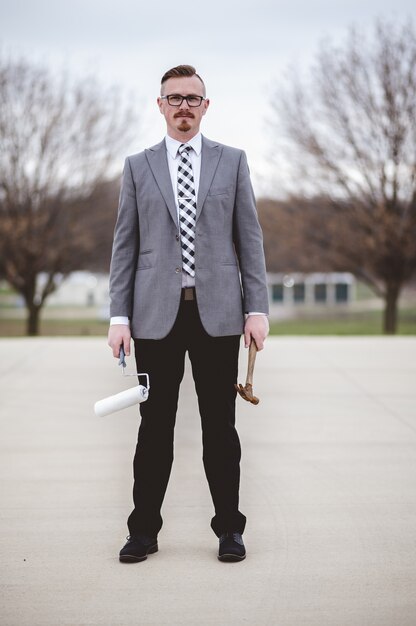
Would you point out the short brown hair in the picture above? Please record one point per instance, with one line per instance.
(180, 70)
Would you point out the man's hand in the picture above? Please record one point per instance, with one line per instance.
(257, 328)
(119, 335)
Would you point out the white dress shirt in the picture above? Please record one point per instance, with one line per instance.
(172, 147)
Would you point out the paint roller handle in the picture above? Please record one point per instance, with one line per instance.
(122, 360)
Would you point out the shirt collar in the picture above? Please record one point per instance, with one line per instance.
(172, 145)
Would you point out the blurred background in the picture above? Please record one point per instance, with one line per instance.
(321, 95)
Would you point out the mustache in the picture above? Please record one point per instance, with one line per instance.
(184, 114)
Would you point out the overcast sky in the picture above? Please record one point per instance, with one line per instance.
(240, 48)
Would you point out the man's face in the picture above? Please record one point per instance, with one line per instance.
(183, 121)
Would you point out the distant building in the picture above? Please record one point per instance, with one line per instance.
(290, 292)
(83, 289)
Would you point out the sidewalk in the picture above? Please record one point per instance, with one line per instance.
(328, 487)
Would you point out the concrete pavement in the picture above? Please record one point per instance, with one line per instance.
(328, 486)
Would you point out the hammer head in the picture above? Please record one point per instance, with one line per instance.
(247, 393)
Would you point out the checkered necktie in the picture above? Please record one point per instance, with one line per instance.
(187, 209)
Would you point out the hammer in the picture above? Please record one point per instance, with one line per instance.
(247, 391)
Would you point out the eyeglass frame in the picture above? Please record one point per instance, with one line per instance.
(192, 106)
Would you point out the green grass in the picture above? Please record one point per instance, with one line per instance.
(369, 323)
(55, 328)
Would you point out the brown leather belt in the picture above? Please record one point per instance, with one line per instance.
(188, 293)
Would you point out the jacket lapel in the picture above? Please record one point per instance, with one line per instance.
(158, 162)
(210, 156)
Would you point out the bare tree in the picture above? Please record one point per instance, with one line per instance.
(58, 142)
(351, 139)
(97, 217)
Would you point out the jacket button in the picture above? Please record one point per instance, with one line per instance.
(178, 269)
(177, 237)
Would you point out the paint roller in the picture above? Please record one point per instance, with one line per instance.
(126, 398)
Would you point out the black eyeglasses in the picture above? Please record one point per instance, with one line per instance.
(175, 100)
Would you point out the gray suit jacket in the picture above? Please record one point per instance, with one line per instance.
(146, 264)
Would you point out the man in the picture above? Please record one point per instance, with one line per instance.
(186, 231)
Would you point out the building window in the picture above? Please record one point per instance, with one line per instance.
(299, 292)
(320, 292)
(341, 292)
(277, 293)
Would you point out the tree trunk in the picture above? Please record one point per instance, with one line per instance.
(391, 309)
(32, 320)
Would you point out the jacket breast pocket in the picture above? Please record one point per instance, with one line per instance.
(219, 191)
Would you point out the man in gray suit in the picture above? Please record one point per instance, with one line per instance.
(187, 275)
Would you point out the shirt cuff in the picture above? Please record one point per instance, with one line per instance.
(256, 313)
(119, 320)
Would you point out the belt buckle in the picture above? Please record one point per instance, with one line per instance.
(189, 293)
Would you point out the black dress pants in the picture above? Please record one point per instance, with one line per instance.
(214, 363)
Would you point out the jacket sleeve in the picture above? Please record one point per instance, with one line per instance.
(125, 248)
(248, 241)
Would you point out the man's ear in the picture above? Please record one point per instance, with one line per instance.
(206, 105)
(160, 104)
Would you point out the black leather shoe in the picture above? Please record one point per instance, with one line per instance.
(231, 547)
(137, 548)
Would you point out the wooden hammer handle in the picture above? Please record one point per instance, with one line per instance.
(251, 360)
